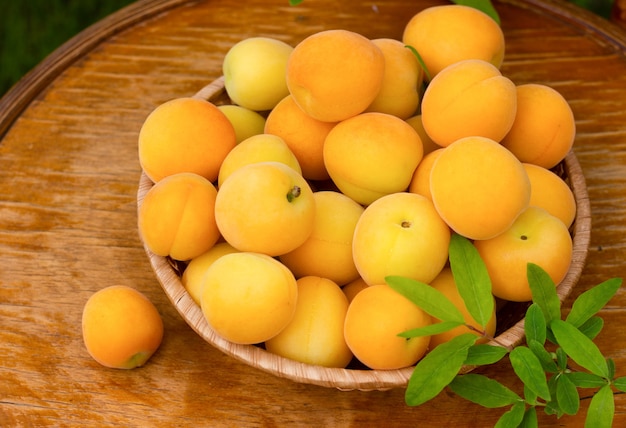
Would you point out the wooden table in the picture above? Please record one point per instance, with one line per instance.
(68, 181)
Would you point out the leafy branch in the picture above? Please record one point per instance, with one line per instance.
(543, 364)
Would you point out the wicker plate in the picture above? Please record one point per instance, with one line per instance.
(510, 315)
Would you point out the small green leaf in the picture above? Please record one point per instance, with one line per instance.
(513, 417)
(429, 330)
(528, 368)
(586, 380)
(546, 360)
(530, 419)
(472, 279)
(535, 324)
(592, 327)
(601, 409)
(579, 348)
(620, 383)
(420, 60)
(543, 291)
(591, 301)
(530, 396)
(295, 2)
(483, 5)
(611, 365)
(432, 301)
(482, 354)
(437, 369)
(481, 390)
(561, 359)
(552, 406)
(567, 394)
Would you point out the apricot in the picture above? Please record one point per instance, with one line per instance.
(265, 207)
(371, 155)
(550, 192)
(328, 250)
(353, 288)
(258, 148)
(402, 80)
(420, 183)
(468, 98)
(478, 187)
(427, 142)
(544, 127)
(444, 35)
(185, 135)
(335, 74)
(315, 334)
(248, 297)
(177, 216)
(245, 121)
(445, 283)
(303, 134)
(121, 327)
(373, 321)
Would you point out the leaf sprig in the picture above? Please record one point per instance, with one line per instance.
(542, 364)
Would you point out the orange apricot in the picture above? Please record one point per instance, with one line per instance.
(420, 183)
(550, 192)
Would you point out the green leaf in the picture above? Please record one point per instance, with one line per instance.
(530, 396)
(481, 390)
(535, 324)
(483, 5)
(592, 327)
(513, 417)
(567, 394)
(601, 409)
(432, 301)
(472, 279)
(530, 419)
(546, 360)
(420, 60)
(561, 359)
(552, 406)
(295, 2)
(620, 383)
(528, 368)
(580, 348)
(611, 365)
(586, 380)
(543, 291)
(437, 369)
(429, 330)
(482, 354)
(591, 301)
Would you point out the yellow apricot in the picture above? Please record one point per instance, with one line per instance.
(303, 134)
(478, 187)
(374, 319)
(445, 284)
(550, 192)
(177, 216)
(245, 121)
(371, 155)
(352, 288)
(544, 128)
(335, 74)
(121, 327)
(447, 34)
(420, 183)
(427, 142)
(402, 80)
(315, 334)
(468, 98)
(328, 250)
(185, 135)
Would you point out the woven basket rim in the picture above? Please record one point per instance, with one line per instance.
(340, 378)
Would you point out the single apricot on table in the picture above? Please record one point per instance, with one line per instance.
(478, 187)
(185, 135)
(121, 327)
(335, 74)
(551, 192)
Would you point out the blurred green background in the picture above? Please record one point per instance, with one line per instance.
(31, 29)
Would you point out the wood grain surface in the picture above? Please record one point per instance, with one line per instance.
(68, 182)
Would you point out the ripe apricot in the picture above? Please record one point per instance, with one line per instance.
(427, 142)
(550, 192)
(478, 187)
(420, 183)
(335, 74)
(468, 98)
(121, 327)
(371, 155)
(352, 288)
(444, 282)
(177, 216)
(248, 297)
(315, 334)
(185, 135)
(444, 35)
(245, 121)
(303, 134)
(544, 127)
(374, 319)
(399, 94)
(328, 250)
